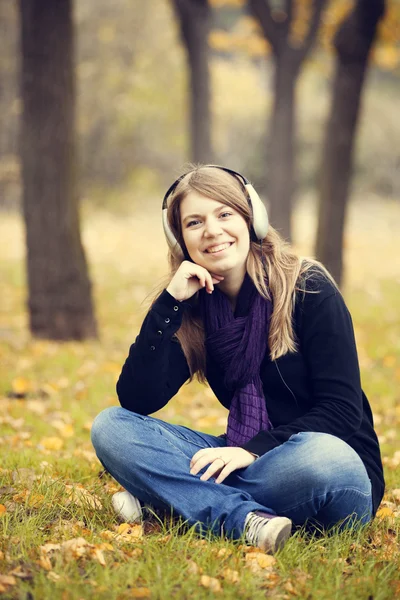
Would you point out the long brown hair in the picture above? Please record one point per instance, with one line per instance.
(284, 275)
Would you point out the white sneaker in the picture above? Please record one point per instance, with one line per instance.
(127, 507)
(268, 532)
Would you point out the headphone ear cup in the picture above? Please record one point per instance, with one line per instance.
(171, 239)
(260, 214)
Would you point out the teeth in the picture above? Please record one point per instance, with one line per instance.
(218, 248)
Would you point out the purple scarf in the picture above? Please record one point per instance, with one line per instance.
(238, 342)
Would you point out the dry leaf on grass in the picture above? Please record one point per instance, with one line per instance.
(130, 533)
(6, 581)
(81, 497)
(141, 592)
(230, 575)
(51, 443)
(258, 562)
(193, 568)
(385, 512)
(73, 550)
(211, 583)
(3, 510)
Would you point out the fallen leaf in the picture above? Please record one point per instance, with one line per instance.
(230, 575)
(98, 555)
(141, 592)
(75, 548)
(224, 552)
(81, 497)
(21, 386)
(127, 532)
(3, 510)
(53, 576)
(51, 443)
(258, 561)
(45, 563)
(6, 581)
(211, 583)
(24, 475)
(193, 568)
(384, 513)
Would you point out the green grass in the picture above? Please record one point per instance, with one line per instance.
(45, 446)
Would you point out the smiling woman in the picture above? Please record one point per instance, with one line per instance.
(272, 336)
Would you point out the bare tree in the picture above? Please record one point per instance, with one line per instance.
(60, 303)
(288, 59)
(353, 42)
(194, 17)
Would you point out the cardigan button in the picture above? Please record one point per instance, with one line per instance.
(152, 347)
(159, 332)
(167, 320)
(176, 308)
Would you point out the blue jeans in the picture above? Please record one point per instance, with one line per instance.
(311, 478)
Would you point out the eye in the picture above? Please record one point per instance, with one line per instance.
(192, 223)
(225, 214)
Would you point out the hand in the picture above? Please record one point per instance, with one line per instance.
(189, 279)
(223, 462)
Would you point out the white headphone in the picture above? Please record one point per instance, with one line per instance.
(259, 221)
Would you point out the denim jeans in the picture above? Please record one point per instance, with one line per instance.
(311, 478)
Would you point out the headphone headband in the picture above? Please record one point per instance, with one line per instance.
(259, 219)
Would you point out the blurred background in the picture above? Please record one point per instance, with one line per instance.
(102, 105)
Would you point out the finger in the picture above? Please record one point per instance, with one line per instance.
(214, 468)
(227, 470)
(200, 463)
(209, 282)
(200, 453)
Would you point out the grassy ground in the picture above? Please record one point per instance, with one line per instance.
(59, 537)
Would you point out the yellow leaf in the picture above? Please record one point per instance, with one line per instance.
(259, 560)
(193, 568)
(45, 563)
(81, 497)
(384, 513)
(3, 510)
(123, 527)
(231, 575)
(7, 580)
(211, 583)
(130, 533)
(99, 556)
(67, 431)
(21, 386)
(141, 592)
(51, 443)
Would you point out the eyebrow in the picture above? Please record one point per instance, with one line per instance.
(197, 215)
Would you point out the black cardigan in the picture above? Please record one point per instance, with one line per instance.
(315, 389)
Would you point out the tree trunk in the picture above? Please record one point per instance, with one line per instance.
(353, 42)
(275, 20)
(281, 141)
(60, 303)
(194, 18)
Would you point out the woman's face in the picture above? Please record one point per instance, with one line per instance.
(216, 236)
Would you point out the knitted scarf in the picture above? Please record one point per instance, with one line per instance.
(238, 343)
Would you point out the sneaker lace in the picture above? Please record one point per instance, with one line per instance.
(255, 524)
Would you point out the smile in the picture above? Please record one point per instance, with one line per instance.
(219, 248)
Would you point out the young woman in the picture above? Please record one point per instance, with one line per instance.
(271, 334)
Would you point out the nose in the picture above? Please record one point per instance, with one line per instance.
(212, 228)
